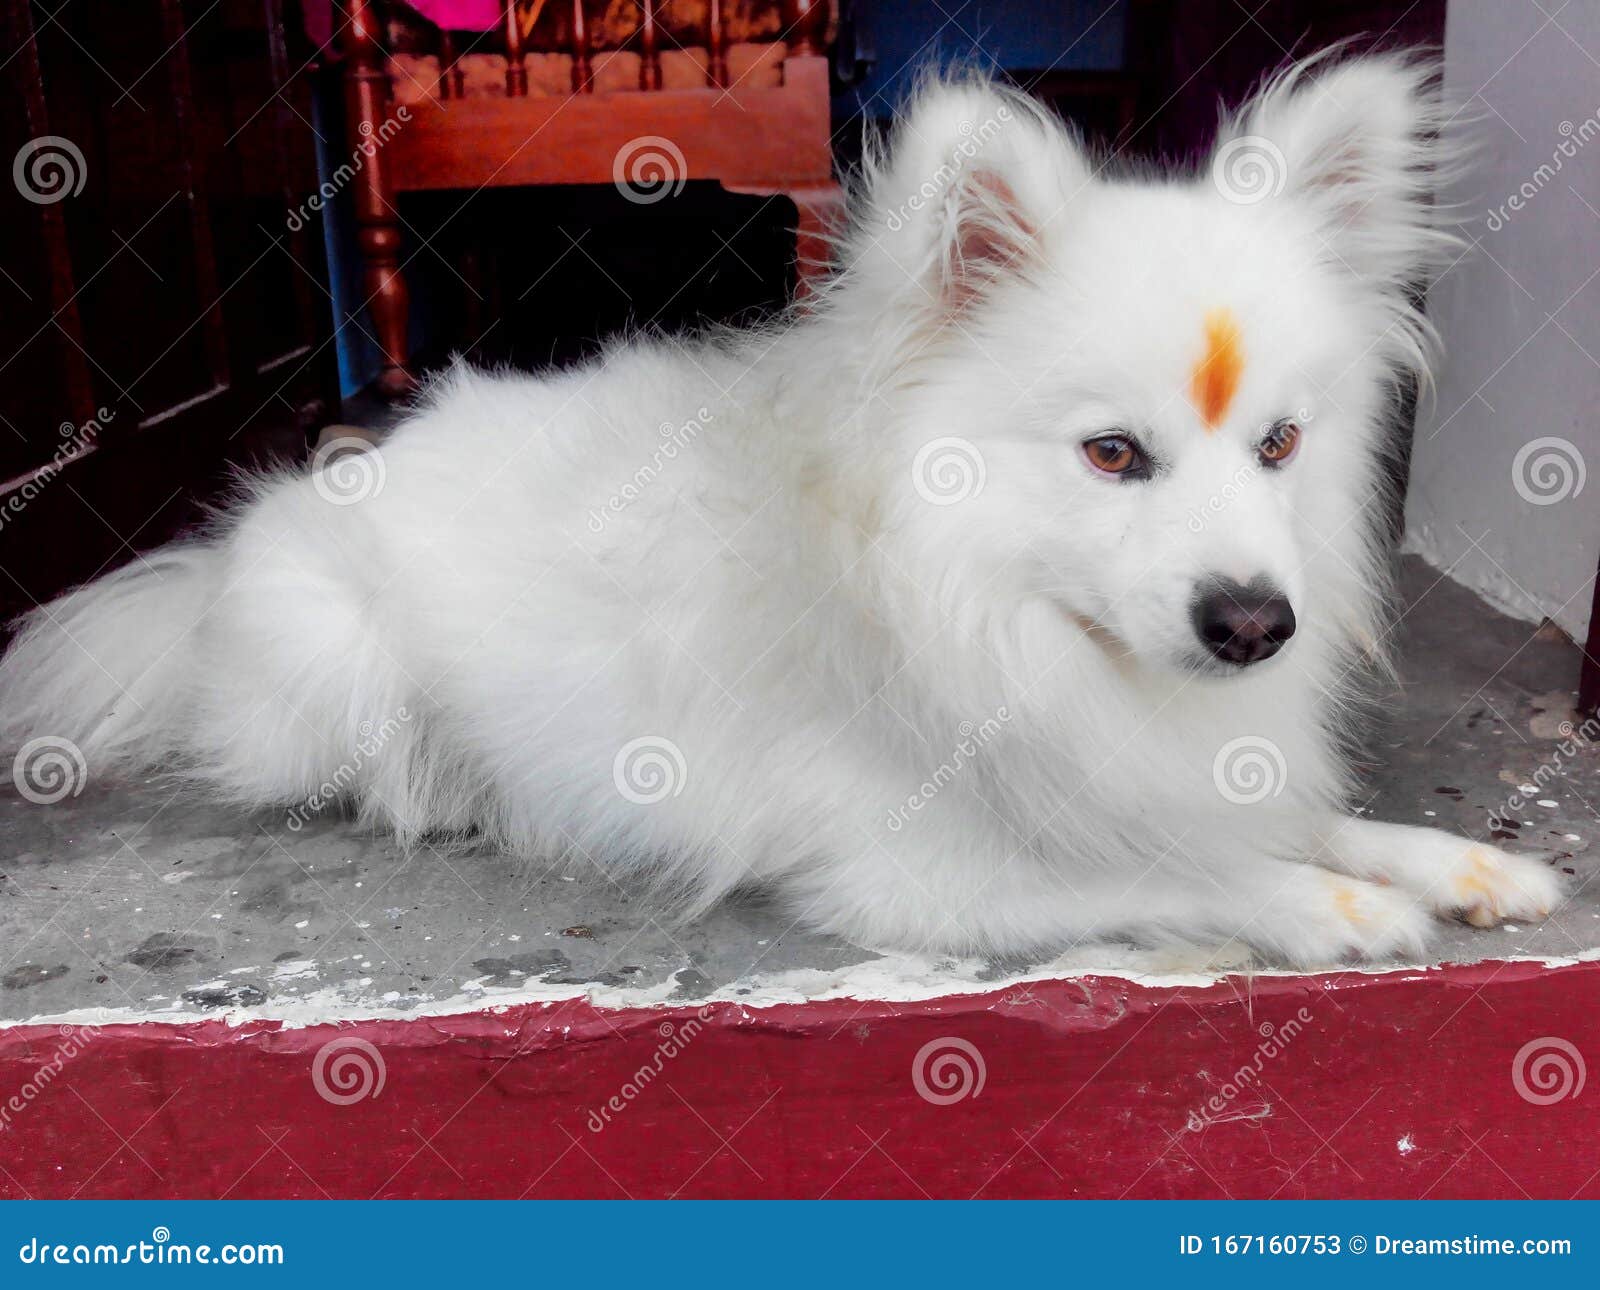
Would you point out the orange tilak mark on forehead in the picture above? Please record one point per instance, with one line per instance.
(1215, 379)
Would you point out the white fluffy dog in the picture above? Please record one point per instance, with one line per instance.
(1013, 592)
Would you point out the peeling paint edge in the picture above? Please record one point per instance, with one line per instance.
(890, 979)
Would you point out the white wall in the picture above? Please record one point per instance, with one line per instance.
(1520, 319)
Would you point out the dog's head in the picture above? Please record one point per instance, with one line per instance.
(1154, 402)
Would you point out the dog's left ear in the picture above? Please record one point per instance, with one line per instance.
(1359, 143)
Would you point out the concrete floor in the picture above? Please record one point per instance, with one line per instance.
(144, 899)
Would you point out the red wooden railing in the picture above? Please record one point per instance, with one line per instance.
(774, 140)
(804, 30)
(649, 54)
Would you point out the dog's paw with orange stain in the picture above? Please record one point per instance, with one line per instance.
(1488, 886)
(1321, 919)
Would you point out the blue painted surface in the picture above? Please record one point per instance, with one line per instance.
(360, 360)
(358, 356)
(924, 1244)
(1013, 35)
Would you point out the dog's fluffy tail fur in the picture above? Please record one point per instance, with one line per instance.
(104, 666)
(245, 660)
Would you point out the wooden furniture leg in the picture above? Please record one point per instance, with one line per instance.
(378, 231)
(805, 24)
(516, 57)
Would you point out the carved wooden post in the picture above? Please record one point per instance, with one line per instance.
(378, 231)
(716, 46)
(649, 51)
(805, 26)
(452, 80)
(582, 67)
(516, 66)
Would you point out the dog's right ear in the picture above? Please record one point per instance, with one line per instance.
(956, 205)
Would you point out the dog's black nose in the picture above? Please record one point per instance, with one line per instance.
(1242, 624)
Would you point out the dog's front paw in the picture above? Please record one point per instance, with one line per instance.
(1487, 886)
(1321, 918)
(1449, 875)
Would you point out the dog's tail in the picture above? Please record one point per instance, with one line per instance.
(105, 668)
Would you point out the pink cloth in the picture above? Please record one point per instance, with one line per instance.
(455, 15)
(460, 15)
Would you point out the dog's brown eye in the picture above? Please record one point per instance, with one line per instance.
(1280, 443)
(1114, 454)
